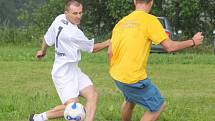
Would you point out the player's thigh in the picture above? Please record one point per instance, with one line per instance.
(86, 87)
(128, 104)
(89, 93)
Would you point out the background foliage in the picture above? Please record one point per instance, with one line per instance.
(101, 15)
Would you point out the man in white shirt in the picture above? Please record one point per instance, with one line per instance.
(69, 81)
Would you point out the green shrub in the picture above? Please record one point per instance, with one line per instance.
(14, 35)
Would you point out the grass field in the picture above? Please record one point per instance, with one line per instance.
(187, 82)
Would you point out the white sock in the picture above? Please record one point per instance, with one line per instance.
(40, 117)
(45, 118)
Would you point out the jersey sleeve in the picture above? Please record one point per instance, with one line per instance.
(50, 36)
(83, 42)
(87, 46)
(156, 32)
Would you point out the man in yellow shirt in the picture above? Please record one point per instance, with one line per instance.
(128, 54)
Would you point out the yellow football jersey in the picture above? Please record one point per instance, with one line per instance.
(131, 41)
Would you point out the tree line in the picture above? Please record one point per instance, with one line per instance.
(10, 10)
(100, 16)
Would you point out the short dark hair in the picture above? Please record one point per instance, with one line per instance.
(143, 1)
(72, 2)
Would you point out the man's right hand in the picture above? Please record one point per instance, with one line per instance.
(198, 38)
(40, 54)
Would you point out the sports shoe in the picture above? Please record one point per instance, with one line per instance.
(31, 117)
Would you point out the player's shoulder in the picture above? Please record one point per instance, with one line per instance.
(61, 19)
(151, 17)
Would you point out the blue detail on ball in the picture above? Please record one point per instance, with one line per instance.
(74, 106)
(77, 118)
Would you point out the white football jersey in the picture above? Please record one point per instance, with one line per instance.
(68, 39)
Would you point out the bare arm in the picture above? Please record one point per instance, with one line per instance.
(99, 46)
(42, 52)
(110, 52)
(171, 46)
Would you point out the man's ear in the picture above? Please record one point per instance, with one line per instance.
(65, 12)
(134, 2)
(151, 2)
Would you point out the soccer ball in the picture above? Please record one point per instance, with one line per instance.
(74, 112)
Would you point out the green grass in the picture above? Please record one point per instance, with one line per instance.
(185, 80)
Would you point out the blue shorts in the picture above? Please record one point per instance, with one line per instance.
(143, 93)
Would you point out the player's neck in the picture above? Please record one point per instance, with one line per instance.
(142, 7)
(70, 21)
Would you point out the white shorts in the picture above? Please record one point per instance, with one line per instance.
(69, 80)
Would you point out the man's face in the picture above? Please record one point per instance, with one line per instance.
(74, 14)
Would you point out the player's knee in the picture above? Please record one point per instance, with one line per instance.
(93, 96)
